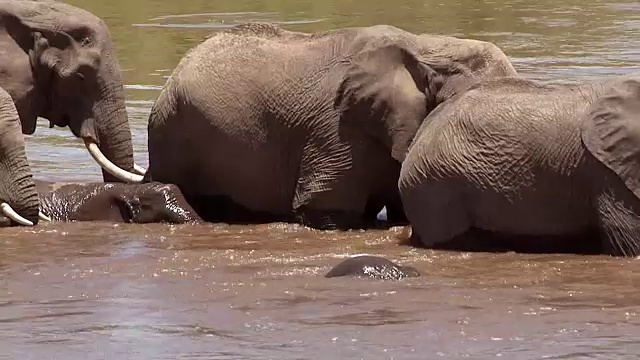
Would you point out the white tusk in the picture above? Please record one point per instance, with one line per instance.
(13, 215)
(43, 216)
(139, 169)
(110, 167)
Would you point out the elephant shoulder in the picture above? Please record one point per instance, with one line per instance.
(509, 85)
(382, 32)
(261, 30)
(463, 105)
(610, 129)
(210, 56)
(454, 110)
(482, 111)
(443, 126)
(492, 100)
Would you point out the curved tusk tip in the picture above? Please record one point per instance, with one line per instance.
(43, 216)
(8, 211)
(139, 169)
(110, 167)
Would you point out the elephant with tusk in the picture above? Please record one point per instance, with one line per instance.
(58, 62)
(309, 127)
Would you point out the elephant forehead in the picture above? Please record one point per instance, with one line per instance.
(56, 15)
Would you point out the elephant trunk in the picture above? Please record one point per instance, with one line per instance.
(22, 198)
(18, 194)
(109, 128)
(114, 133)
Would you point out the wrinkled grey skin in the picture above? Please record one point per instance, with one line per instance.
(305, 127)
(17, 187)
(373, 267)
(58, 62)
(515, 159)
(131, 203)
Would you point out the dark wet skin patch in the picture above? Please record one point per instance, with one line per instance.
(373, 267)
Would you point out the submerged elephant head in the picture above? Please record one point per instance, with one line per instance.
(373, 267)
(58, 62)
(391, 85)
(133, 203)
(18, 195)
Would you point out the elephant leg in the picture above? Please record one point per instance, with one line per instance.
(329, 219)
(221, 208)
(619, 222)
(333, 186)
(340, 206)
(437, 213)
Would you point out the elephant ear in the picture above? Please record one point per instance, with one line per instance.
(610, 130)
(52, 50)
(389, 91)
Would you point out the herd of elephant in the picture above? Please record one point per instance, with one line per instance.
(261, 124)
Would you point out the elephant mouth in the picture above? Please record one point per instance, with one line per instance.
(60, 120)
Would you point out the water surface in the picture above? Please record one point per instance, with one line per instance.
(103, 291)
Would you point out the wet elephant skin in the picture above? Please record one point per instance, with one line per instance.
(374, 267)
(115, 202)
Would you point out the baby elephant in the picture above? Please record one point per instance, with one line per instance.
(115, 202)
(373, 267)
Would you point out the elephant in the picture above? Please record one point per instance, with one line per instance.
(18, 194)
(115, 202)
(279, 125)
(373, 267)
(58, 62)
(515, 161)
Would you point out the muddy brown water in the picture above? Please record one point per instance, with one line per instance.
(105, 291)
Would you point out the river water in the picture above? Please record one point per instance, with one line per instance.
(104, 291)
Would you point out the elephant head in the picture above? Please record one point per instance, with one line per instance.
(18, 195)
(60, 64)
(134, 203)
(610, 129)
(391, 86)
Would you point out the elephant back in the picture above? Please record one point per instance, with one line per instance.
(610, 129)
